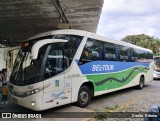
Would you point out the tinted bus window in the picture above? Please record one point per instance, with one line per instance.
(144, 56)
(92, 51)
(61, 55)
(109, 52)
(134, 55)
(149, 55)
(124, 53)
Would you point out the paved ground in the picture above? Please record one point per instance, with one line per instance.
(128, 100)
(63, 113)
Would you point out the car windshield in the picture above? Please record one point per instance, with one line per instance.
(59, 56)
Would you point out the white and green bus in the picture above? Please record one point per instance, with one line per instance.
(66, 66)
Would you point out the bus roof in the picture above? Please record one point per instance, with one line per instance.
(88, 34)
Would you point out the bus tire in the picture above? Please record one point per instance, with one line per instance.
(84, 96)
(141, 83)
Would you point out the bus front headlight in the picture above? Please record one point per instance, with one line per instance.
(33, 103)
(34, 91)
(28, 93)
(31, 92)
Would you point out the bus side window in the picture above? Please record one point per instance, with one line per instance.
(71, 46)
(134, 55)
(54, 63)
(92, 51)
(124, 53)
(109, 52)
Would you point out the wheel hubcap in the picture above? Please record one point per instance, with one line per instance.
(83, 97)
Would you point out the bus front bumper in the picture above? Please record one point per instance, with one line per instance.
(30, 102)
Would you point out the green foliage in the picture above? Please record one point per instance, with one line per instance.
(145, 41)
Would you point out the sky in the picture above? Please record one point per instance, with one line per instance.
(120, 18)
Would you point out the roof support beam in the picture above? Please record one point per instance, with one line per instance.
(60, 11)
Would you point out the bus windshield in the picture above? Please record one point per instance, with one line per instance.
(26, 71)
(52, 59)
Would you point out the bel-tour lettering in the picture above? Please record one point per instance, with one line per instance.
(102, 67)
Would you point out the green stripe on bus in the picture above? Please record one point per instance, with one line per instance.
(115, 80)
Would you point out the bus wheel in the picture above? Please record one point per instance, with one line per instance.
(141, 83)
(84, 97)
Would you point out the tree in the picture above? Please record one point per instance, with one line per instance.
(143, 40)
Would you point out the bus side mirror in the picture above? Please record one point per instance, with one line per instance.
(39, 44)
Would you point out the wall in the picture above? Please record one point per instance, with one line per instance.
(2, 62)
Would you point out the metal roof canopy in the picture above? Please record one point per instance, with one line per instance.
(20, 19)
